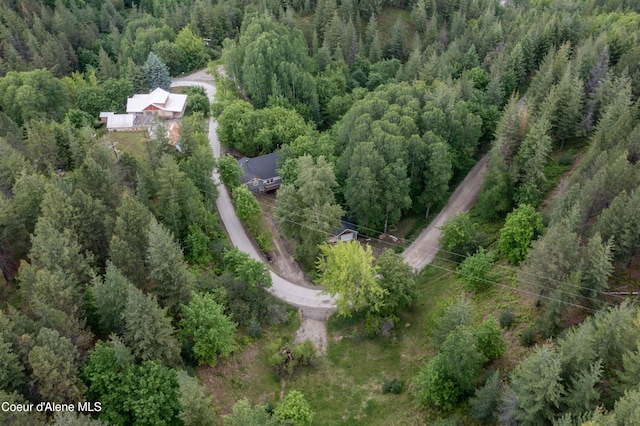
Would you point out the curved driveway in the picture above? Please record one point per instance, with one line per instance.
(314, 303)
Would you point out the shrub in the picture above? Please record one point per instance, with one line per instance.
(287, 358)
(521, 226)
(490, 342)
(528, 337)
(457, 313)
(394, 386)
(475, 271)
(460, 234)
(265, 241)
(507, 318)
(296, 408)
(376, 325)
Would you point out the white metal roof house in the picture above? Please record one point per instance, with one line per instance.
(159, 102)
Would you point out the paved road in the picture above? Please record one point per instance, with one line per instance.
(422, 251)
(313, 303)
(316, 305)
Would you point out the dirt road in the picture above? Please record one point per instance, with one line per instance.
(422, 251)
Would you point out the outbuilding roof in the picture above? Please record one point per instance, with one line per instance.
(120, 121)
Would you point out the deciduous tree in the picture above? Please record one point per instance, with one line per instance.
(295, 407)
(521, 226)
(346, 270)
(207, 329)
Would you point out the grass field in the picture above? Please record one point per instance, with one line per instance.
(344, 388)
(133, 143)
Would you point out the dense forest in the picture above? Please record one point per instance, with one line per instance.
(120, 286)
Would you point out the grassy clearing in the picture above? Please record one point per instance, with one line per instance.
(133, 143)
(345, 387)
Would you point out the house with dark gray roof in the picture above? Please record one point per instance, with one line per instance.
(346, 232)
(260, 173)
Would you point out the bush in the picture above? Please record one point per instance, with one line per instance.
(265, 241)
(435, 387)
(528, 337)
(507, 318)
(475, 271)
(287, 358)
(521, 226)
(376, 325)
(460, 234)
(394, 386)
(490, 342)
(456, 314)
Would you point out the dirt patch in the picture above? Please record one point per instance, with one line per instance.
(282, 261)
(314, 330)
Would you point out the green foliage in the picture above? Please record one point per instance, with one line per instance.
(537, 383)
(475, 271)
(521, 226)
(434, 387)
(484, 404)
(507, 318)
(145, 394)
(460, 234)
(398, 280)
(251, 271)
(31, 95)
(255, 132)
(286, 357)
(198, 101)
(456, 314)
(147, 329)
(254, 329)
(394, 386)
(247, 207)
(208, 331)
(306, 210)
(169, 273)
(130, 241)
(452, 374)
(244, 414)
(110, 298)
(157, 73)
(528, 337)
(346, 270)
(197, 247)
(230, 171)
(490, 343)
(12, 375)
(296, 408)
(54, 361)
(196, 404)
(270, 59)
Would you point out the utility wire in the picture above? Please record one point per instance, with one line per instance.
(437, 249)
(573, 295)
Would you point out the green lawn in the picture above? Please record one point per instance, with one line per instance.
(133, 143)
(344, 388)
